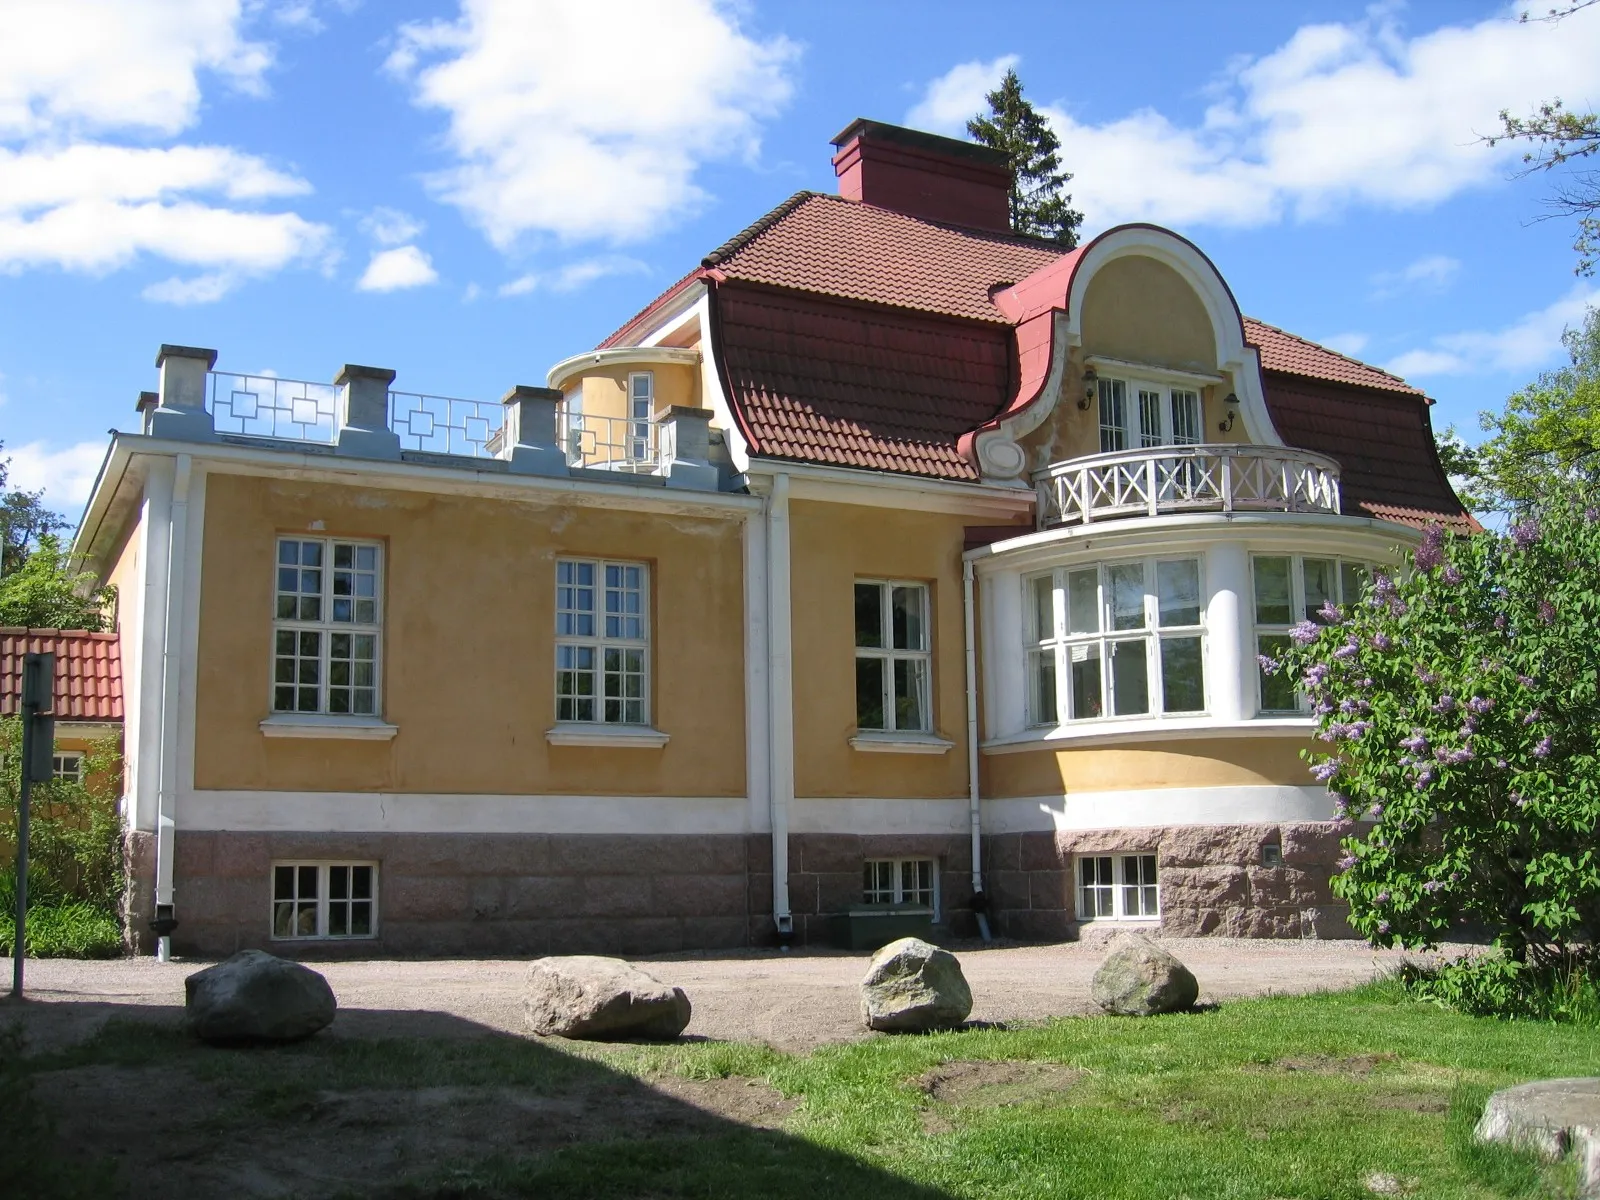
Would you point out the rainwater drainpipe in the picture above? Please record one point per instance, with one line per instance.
(780, 700)
(171, 643)
(980, 902)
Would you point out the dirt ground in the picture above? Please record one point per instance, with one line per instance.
(791, 1001)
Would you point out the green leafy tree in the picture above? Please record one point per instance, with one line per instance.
(1039, 206)
(1458, 701)
(23, 520)
(45, 594)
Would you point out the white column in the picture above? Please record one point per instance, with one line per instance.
(1004, 661)
(780, 710)
(144, 706)
(757, 723)
(1230, 651)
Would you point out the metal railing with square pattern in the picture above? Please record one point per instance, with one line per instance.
(268, 407)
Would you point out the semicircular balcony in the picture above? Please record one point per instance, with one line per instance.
(1166, 480)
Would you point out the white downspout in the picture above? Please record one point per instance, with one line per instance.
(171, 642)
(973, 813)
(780, 703)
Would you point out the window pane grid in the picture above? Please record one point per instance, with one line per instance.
(603, 642)
(1118, 887)
(1287, 588)
(898, 881)
(324, 900)
(893, 662)
(327, 619)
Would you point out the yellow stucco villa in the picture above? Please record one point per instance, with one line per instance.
(887, 570)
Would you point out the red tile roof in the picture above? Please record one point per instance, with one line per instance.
(88, 671)
(1294, 355)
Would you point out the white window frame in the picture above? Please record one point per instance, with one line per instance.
(1349, 574)
(1125, 419)
(1055, 649)
(59, 768)
(322, 903)
(325, 626)
(874, 895)
(1130, 897)
(601, 641)
(891, 654)
(641, 411)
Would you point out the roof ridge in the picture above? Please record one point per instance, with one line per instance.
(1305, 341)
(50, 631)
(756, 228)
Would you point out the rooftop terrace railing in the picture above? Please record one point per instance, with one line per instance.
(1161, 480)
(608, 443)
(446, 425)
(265, 406)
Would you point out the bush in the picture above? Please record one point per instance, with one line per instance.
(1491, 985)
(1459, 700)
(63, 929)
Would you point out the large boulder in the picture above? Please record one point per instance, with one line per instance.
(601, 999)
(912, 986)
(1138, 978)
(257, 997)
(1552, 1117)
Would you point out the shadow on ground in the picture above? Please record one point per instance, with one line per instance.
(113, 1100)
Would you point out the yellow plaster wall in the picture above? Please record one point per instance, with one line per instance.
(605, 388)
(468, 645)
(1141, 310)
(833, 545)
(1214, 762)
(123, 574)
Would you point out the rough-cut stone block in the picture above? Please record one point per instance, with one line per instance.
(758, 849)
(1310, 843)
(1327, 922)
(649, 935)
(426, 897)
(1138, 978)
(241, 854)
(1204, 887)
(255, 997)
(1041, 852)
(1002, 852)
(616, 896)
(1010, 890)
(591, 854)
(585, 996)
(839, 893)
(818, 853)
(530, 896)
(1296, 886)
(1552, 1117)
(759, 893)
(1049, 889)
(1054, 925)
(698, 895)
(802, 893)
(913, 986)
(716, 933)
(1197, 845)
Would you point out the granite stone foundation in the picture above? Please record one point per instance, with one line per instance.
(138, 890)
(1213, 879)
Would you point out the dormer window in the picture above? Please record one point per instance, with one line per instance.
(1135, 414)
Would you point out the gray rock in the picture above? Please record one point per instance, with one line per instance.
(1139, 979)
(254, 997)
(1553, 1117)
(912, 986)
(601, 999)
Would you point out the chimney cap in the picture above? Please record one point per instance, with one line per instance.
(147, 401)
(932, 143)
(169, 351)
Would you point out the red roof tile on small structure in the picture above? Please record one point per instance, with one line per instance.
(88, 671)
(1294, 355)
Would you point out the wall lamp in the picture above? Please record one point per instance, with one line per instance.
(1232, 403)
(1089, 379)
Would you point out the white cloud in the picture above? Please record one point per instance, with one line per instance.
(1531, 342)
(1351, 343)
(553, 139)
(1434, 273)
(80, 65)
(397, 269)
(1340, 114)
(76, 73)
(65, 475)
(958, 94)
(572, 276)
(390, 226)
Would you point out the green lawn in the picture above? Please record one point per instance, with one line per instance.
(1318, 1096)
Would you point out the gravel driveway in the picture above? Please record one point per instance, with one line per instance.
(790, 1000)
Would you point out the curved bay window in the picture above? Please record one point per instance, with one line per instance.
(1117, 639)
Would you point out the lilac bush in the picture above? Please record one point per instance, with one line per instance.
(1459, 702)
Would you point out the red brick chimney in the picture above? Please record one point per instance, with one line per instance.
(924, 175)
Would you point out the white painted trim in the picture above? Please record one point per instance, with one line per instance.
(89, 731)
(883, 489)
(900, 743)
(757, 700)
(436, 813)
(780, 702)
(1137, 371)
(172, 638)
(970, 680)
(328, 725)
(619, 356)
(637, 737)
(945, 815)
(144, 708)
(1149, 807)
(711, 387)
(688, 306)
(1119, 731)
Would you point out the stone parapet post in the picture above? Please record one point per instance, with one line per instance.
(530, 440)
(685, 445)
(362, 413)
(181, 412)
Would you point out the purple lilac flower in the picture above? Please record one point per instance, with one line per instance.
(1424, 674)
(1500, 621)
(1547, 612)
(1348, 651)
(1591, 514)
(1269, 665)
(1376, 810)
(1480, 704)
(1330, 614)
(1525, 533)
(1533, 715)
(1304, 633)
(1468, 728)
(1381, 898)
(1321, 708)
(1451, 576)
(1455, 876)
(1417, 743)
(1383, 927)
(1433, 885)
(1315, 674)
(1501, 764)
(1519, 799)
(1446, 704)
(1380, 641)
(1325, 771)
(1343, 825)
(1424, 778)
(1543, 748)
(1527, 681)
(1341, 805)
(1431, 553)
(1383, 589)
(1348, 861)
(1364, 682)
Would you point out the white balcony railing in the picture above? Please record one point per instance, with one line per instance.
(608, 443)
(1159, 480)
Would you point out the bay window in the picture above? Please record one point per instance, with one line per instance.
(1115, 640)
(1290, 588)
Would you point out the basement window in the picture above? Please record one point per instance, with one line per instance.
(324, 901)
(899, 882)
(1118, 887)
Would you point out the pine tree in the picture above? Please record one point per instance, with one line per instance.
(1013, 126)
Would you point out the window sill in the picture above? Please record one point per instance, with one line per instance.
(328, 725)
(639, 737)
(1110, 731)
(900, 743)
(1152, 922)
(885, 910)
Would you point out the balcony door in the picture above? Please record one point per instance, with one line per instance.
(1135, 415)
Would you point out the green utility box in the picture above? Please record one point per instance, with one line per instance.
(872, 928)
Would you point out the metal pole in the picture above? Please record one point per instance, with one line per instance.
(20, 928)
(38, 698)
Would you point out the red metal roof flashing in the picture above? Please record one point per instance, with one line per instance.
(88, 671)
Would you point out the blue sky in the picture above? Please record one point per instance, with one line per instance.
(469, 191)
